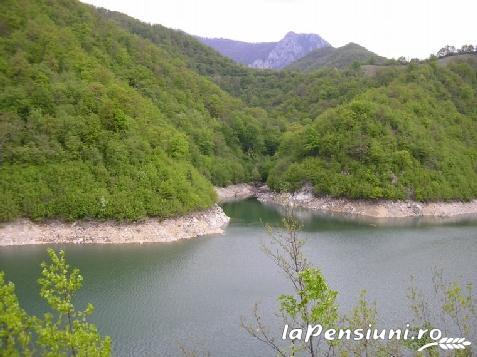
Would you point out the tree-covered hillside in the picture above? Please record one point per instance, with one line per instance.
(279, 92)
(98, 122)
(413, 137)
(102, 116)
(341, 57)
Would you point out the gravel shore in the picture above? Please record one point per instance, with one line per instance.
(214, 220)
(305, 198)
(23, 232)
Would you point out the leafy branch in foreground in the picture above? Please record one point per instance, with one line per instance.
(312, 303)
(63, 332)
(452, 309)
(14, 323)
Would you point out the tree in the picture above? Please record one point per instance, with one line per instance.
(63, 332)
(15, 337)
(446, 51)
(178, 146)
(466, 49)
(311, 302)
(312, 141)
(356, 65)
(452, 308)
(402, 60)
(363, 315)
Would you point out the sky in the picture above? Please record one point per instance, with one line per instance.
(410, 28)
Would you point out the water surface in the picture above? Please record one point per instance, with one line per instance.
(153, 298)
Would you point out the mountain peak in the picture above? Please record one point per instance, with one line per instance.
(268, 54)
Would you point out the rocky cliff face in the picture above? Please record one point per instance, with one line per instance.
(268, 54)
(291, 48)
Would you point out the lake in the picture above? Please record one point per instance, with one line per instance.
(152, 299)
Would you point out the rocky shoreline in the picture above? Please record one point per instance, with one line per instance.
(304, 198)
(214, 220)
(240, 191)
(25, 232)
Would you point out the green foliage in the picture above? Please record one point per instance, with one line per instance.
(311, 301)
(452, 305)
(363, 315)
(96, 122)
(68, 331)
(316, 302)
(15, 337)
(105, 117)
(64, 332)
(413, 138)
(342, 57)
(404, 132)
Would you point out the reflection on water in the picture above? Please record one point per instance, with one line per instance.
(315, 218)
(153, 298)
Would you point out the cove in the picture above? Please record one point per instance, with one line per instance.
(153, 298)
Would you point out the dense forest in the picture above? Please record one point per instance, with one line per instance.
(412, 138)
(97, 122)
(102, 116)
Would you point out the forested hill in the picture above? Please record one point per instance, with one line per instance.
(102, 116)
(286, 95)
(341, 57)
(97, 122)
(413, 136)
(408, 132)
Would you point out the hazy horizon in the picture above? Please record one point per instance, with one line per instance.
(392, 29)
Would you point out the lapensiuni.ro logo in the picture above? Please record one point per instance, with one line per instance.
(312, 331)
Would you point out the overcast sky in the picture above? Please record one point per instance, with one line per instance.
(412, 28)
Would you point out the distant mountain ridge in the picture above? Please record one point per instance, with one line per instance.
(267, 54)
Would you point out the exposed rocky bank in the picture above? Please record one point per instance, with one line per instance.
(305, 198)
(236, 192)
(214, 220)
(23, 232)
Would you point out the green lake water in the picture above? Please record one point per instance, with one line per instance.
(153, 298)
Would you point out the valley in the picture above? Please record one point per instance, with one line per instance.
(93, 129)
(167, 194)
(129, 121)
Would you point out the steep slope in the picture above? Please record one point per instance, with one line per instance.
(102, 116)
(412, 137)
(99, 123)
(267, 54)
(304, 98)
(340, 57)
(199, 57)
(286, 95)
